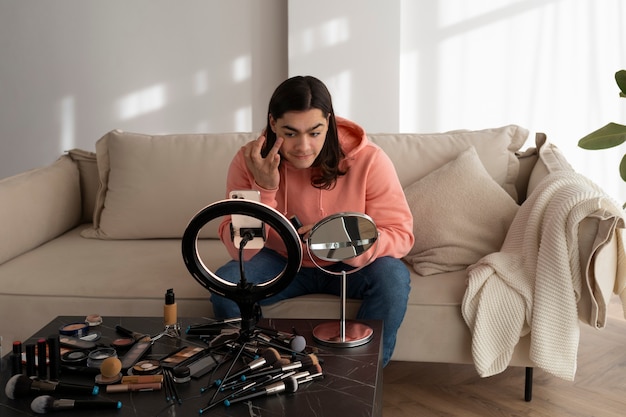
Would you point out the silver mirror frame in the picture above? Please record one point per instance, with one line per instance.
(361, 243)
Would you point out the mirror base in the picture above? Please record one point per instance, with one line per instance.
(356, 334)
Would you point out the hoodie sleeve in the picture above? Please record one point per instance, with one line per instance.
(386, 204)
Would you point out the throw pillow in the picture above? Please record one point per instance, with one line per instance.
(496, 148)
(460, 214)
(152, 185)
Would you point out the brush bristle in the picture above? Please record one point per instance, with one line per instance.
(291, 384)
(282, 361)
(18, 386)
(271, 355)
(42, 404)
(310, 360)
(317, 367)
(298, 344)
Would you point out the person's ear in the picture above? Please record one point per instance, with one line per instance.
(272, 123)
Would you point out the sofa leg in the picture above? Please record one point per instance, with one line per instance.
(528, 385)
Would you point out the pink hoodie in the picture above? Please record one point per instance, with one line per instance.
(371, 186)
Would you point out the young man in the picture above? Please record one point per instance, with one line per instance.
(312, 164)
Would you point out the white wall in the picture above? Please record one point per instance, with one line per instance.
(73, 69)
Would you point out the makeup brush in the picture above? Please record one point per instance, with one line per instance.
(305, 362)
(46, 403)
(288, 385)
(20, 385)
(268, 357)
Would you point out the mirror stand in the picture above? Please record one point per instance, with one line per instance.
(343, 333)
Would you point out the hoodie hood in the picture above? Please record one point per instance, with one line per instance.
(352, 137)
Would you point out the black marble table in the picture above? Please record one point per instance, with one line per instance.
(351, 386)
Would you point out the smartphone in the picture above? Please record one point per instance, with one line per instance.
(240, 222)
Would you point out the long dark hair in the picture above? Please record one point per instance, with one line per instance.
(303, 93)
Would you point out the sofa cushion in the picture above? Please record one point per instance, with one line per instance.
(44, 203)
(151, 186)
(416, 155)
(460, 214)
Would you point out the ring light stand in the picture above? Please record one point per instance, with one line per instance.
(245, 294)
(337, 238)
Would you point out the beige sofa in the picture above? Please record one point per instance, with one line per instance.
(100, 233)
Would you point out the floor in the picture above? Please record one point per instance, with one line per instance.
(599, 389)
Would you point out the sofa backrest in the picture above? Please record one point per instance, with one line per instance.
(149, 186)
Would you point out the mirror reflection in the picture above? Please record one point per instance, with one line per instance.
(342, 236)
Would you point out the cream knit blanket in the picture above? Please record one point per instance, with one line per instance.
(534, 283)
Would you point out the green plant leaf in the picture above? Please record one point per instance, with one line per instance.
(620, 79)
(622, 168)
(608, 136)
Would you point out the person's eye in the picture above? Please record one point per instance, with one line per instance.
(315, 134)
(289, 135)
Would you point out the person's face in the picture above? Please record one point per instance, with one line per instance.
(304, 134)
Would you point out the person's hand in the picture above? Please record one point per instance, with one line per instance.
(303, 231)
(264, 170)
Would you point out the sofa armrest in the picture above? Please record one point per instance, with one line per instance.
(599, 249)
(37, 206)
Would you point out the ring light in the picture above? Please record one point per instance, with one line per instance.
(247, 296)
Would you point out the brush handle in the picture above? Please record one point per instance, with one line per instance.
(65, 388)
(66, 404)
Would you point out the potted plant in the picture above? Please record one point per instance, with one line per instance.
(611, 135)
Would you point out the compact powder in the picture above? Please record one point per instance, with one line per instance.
(74, 329)
(123, 343)
(93, 320)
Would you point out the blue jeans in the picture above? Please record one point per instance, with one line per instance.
(383, 286)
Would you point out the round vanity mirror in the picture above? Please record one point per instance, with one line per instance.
(338, 238)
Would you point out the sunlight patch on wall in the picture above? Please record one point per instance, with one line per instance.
(202, 126)
(340, 86)
(241, 68)
(68, 123)
(141, 102)
(201, 82)
(243, 119)
(326, 35)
